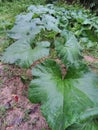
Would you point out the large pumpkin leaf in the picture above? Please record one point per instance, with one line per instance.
(68, 48)
(47, 88)
(25, 27)
(23, 54)
(50, 22)
(64, 102)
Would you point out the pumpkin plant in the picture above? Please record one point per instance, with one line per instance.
(68, 94)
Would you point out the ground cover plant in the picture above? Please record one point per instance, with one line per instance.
(63, 84)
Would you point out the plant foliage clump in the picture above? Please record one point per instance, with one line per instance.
(68, 98)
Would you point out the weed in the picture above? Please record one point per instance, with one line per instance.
(2, 112)
(26, 116)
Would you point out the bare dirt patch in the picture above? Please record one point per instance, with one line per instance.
(16, 111)
(90, 59)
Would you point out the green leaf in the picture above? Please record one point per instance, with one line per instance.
(22, 53)
(47, 88)
(89, 121)
(87, 21)
(50, 22)
(64, 101)
(68, 48)
(25, 28)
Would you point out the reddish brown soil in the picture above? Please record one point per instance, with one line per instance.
(91, 59)
(16, 111)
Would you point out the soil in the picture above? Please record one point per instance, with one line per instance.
(16, 111)
(91, 59)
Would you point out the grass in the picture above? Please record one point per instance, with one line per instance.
(8, 11)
